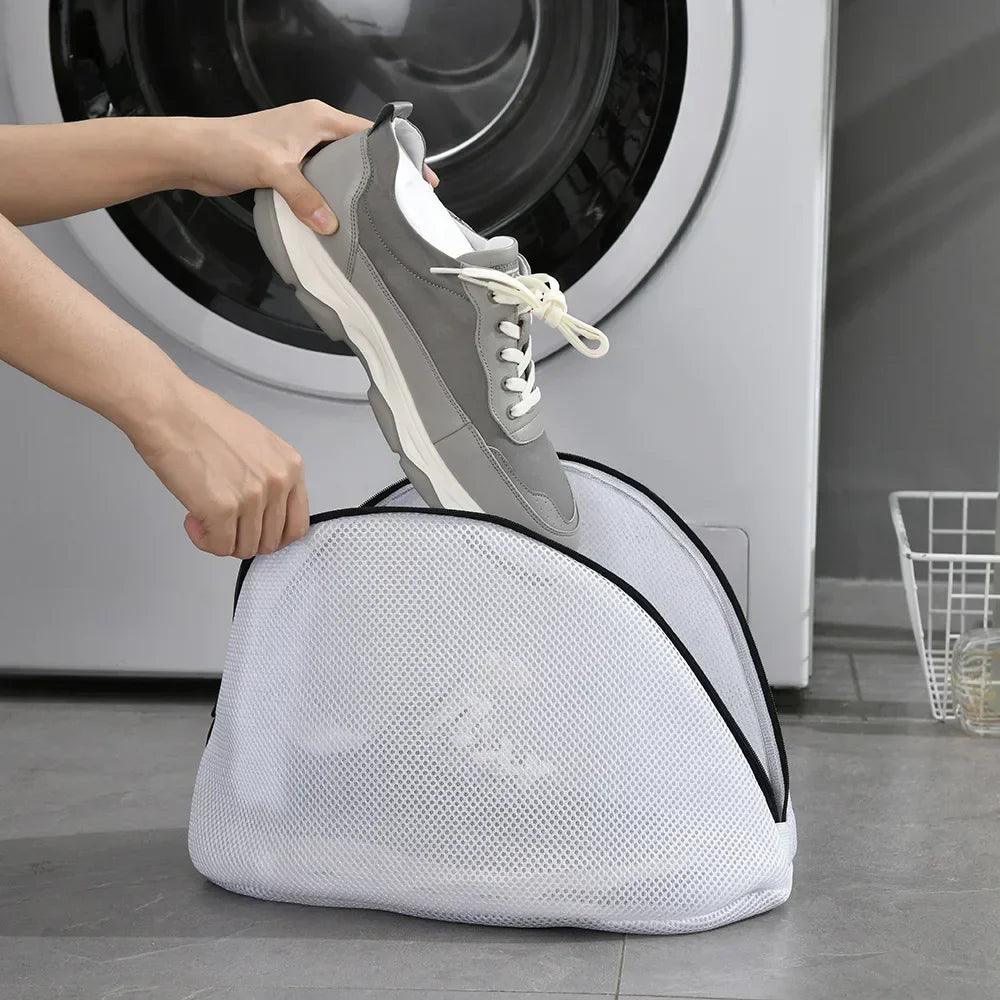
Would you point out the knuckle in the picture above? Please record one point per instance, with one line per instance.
(303, 200)
(225, 508)
(277, 480)
(255, 493)
(323, 113)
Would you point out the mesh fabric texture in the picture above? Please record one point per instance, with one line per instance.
(649, 549)
(447, 717)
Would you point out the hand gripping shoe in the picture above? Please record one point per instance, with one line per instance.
(441, 319)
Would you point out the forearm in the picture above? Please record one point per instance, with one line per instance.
(54, 330)
(53, 171)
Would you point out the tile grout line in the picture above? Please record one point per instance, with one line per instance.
(682, 996)
(473, 991)
(621, 968)
(483, 993)
(857, 685)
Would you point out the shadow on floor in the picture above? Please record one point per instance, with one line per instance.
(140, 883)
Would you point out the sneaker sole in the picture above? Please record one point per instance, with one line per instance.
(297, 255)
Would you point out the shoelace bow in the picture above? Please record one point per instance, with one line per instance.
(538, 295)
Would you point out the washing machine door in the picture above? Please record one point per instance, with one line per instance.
(584, 128)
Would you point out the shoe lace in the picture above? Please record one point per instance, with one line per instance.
(537, 295)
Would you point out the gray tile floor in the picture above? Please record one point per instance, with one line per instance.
(897, 889)
(863, 685)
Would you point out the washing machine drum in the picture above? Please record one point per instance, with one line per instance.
(445, 715)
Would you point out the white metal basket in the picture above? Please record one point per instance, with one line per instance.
(949, 573)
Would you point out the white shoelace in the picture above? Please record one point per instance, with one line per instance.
(539, 295)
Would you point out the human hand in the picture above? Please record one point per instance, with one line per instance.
(265, 150)
(242, 485)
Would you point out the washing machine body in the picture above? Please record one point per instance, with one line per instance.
(711, 393)
(666, 160)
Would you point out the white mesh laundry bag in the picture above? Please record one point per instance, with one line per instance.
(445, 715)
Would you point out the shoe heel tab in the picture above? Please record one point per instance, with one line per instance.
(394, 109)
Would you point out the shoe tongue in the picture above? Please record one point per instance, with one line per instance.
(500, 253)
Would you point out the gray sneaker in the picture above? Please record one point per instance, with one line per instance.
(440, 317)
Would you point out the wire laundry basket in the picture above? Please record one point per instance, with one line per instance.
(950, 574)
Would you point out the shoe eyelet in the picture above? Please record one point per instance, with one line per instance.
(499, 328)
(510, 415)
(500, 356)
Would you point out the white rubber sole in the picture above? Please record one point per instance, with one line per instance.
(320, 277)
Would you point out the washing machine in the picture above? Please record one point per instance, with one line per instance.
(666, 159)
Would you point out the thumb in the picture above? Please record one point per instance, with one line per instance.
(195, 529)
(306, 202)
(217, 537)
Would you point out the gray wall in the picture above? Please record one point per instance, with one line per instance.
(911, 384)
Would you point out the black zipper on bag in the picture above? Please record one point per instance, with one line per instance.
(753, 762)
(376, 498)
(372, 501)
(730, 594)
(713, 565)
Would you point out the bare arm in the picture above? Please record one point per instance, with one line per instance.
(241, 484)
(53, 171)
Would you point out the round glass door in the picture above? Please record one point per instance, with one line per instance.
(546, 119)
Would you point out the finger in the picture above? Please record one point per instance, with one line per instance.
(336, 124)
(195, 531)
(306, 202)
(431, 177)
(248, 530)
(273, 525)
(296, 514)
(351, 124)
(216, 536)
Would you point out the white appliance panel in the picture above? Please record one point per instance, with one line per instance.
(709, 395)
